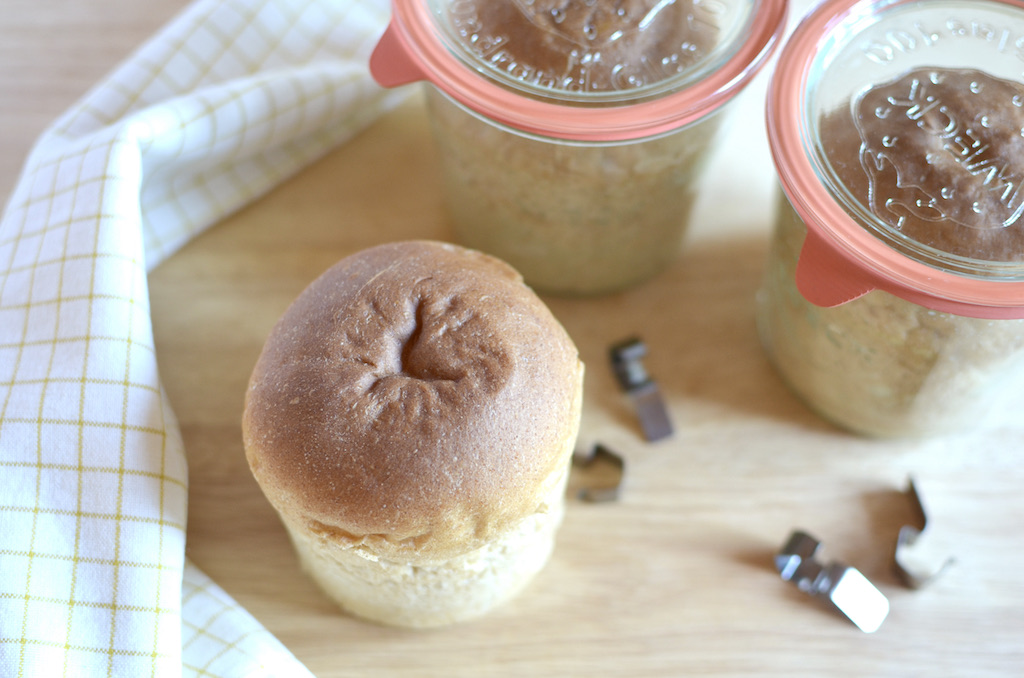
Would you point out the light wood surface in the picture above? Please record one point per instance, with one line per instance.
(677, 576)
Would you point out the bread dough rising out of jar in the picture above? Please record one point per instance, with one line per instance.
(936, 156)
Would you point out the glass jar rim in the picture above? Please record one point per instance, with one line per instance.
(842, 260)
(413, 48)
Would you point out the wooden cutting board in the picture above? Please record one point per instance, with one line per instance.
(674, 578)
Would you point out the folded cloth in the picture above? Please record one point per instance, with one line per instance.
(223, 103)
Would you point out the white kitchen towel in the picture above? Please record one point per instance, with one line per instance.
(218, 107)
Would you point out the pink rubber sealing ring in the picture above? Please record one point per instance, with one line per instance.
(841, 260)
(412, 49)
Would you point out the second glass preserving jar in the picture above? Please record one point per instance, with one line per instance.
(894, 294)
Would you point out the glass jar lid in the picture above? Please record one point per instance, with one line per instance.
(897, 128)
(591, 70)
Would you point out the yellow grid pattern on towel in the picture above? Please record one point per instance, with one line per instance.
(222, 104)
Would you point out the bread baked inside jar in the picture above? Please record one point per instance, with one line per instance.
(412, 418)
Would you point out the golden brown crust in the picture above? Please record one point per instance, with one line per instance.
(416, 399)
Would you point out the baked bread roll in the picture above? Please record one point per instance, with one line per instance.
(412, 419)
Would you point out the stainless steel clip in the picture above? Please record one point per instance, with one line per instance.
(846, 588)
(917, 561)
(606, 471)
(627, 361)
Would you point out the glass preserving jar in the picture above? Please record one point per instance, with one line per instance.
(893, 302)
(572, 134)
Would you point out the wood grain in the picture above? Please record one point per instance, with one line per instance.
(676, 577)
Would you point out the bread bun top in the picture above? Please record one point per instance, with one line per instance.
(416, 400)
